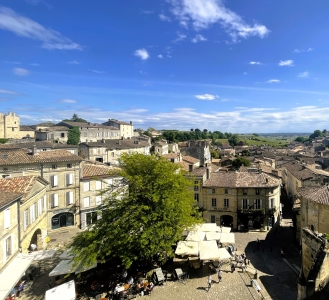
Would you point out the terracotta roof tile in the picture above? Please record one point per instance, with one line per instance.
(316, 194)
(91, 170)
(7, 197)
(190, 159)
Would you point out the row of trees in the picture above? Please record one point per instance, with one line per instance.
(317, 133)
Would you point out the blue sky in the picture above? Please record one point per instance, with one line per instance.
(234, 66)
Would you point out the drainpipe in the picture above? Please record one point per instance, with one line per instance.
(19, 224)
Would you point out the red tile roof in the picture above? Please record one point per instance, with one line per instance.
(7, 197)
(91, 170)
(316, 194)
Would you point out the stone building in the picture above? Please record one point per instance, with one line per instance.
(9, 233)
(126, 129)
(60, 168)
(197, 149)
(108, 151)
(160, 147)
(241, 199)
(314, 277)
(32, 208)
(92, 132)
(53, 133)
(95, 184)
(9, 126)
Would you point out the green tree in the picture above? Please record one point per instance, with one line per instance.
(214, 153)
(315, 134)
(239, 161)
(3, 141)
(73, 136)
(233, 140)
(75, 118)
(301, 139)
(146, 220)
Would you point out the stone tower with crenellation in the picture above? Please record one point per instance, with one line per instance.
(9, 126)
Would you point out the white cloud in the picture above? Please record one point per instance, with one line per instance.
(96, 71)
(255, 63)
(273, 81)
(286, 63)
(67, 101)
(303, 74)
(164, 18)
(198, 38)
(160, 56)
(206, 97)
(303, 50)
(8, 92)
(147, 12)
(245, 73)
(204, 13)
(12, 62)
(21, 71)
(74, 62)
(34, 65)
(142, 54)
(22, 26)
(180, 37)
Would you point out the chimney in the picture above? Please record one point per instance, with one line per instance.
(34, 149)
(208, 173)
(131, 123)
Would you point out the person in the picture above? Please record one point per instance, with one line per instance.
(209, 282)
(33, 247)
(130, 280)
(220, 274)
(232, 267)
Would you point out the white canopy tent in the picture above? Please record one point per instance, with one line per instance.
(185, 248)
(66, 255)
(213, 236)
(227, 238)
(223, 254)
(196, 236)
(13, 273)
(208, 250)
(65, 291)
(45, 254)
(223, 229)
(66, 267)
(206, 227)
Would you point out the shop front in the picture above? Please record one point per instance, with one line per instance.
(249, 219)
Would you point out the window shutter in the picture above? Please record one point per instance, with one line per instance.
(242, 203)
(98, 200)
(69, 179)
(69, 198)
(55, 200)
(109, 181)
(39, 207)
(86, 186)
(98, 185)
(25, 219)
(248, 202)
(260, 203)
(32, 214)
(55, 180)
(86, 202)
(7, 218)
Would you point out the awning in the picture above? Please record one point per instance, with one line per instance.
(65, 291)
(206, 227)
(223, 229)
(13, 273)
(208, 250)
(66, 267)
(223, 254)
(45, 254)
(196, 236)
(227, 238)
(187, 248)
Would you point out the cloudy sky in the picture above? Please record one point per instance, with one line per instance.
(236, 66)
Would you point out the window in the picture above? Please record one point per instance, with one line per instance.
(5, 176)
(54, 180)
(45, 202)
(32, 214)
(271, 204)
(213, 191)
(257, 203)
(54, 200)
(98, 185)
(86, 186)
(245, 191)
(196, 197)
(91, 218)
(62, 134)
(69, 179)
(213, 219)
(226, 202)
(95, 150)
(54, 167)
(69, 198)
(257, 191)
(86, 201)
(228, 191)
(39, 207)
(70, 165)
(110, 182)
(9, 250)
(213, 202)
(112, 154)
(245, 203)
(98, 200)
(196, 185)
(7, 218)
(26, 218)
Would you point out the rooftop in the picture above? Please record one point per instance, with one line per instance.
(7, 197)
(92, 170)
(315, 193)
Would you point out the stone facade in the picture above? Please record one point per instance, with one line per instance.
(126, 129)
(9, 234)
(54, 133)
(160, 147)
(199, 150)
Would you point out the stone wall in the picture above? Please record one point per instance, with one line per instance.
(9, 126)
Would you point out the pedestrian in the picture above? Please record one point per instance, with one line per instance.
(209, 282)
(232, 267)
(220, 274)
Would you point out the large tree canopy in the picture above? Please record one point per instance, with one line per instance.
(239, 161)
(73, 136)
(144, 221)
